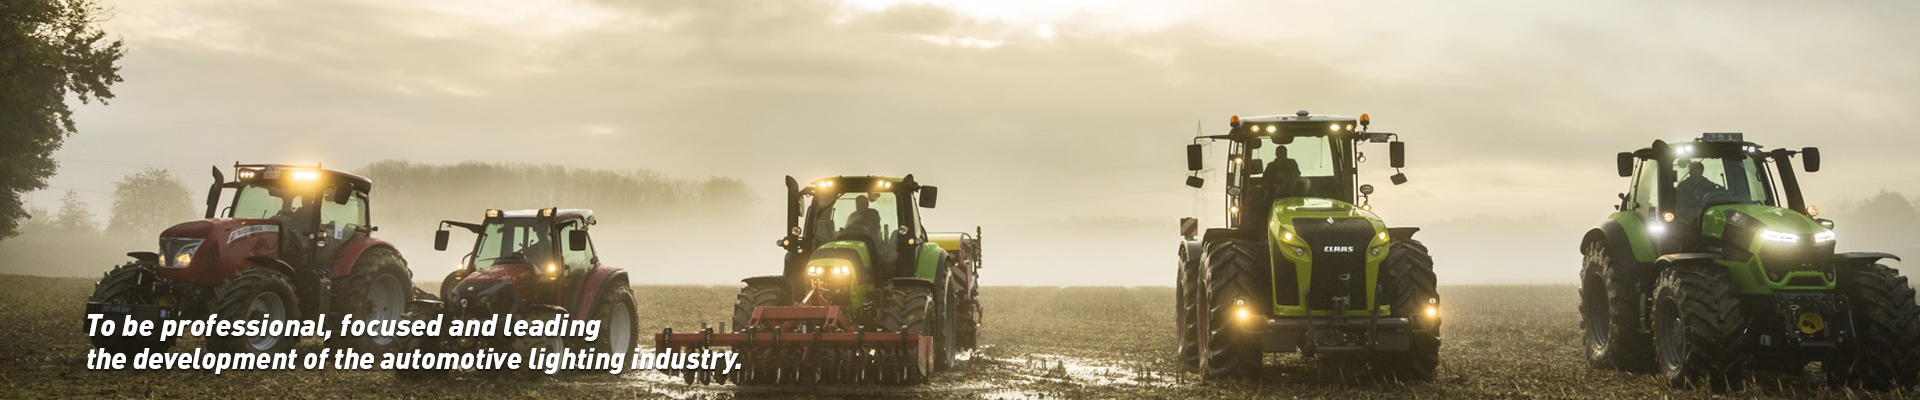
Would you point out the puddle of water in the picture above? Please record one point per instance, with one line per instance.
(1089, 370)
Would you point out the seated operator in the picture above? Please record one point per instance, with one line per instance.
(1283, 175)
(1692, 191)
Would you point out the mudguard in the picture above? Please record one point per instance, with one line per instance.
(343, 264)
(1851, 259)
(911, 282)
(1402, 233)
(600, 279)
(1216, 234)
(1682, 259)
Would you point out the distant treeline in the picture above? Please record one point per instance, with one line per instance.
(405, 192)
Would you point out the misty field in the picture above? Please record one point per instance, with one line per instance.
(1040, 342)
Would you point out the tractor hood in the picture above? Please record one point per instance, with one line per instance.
(1791, 248)
(494, 290)
(206, 251)
(852, 255)
(1770, 217)
(1313, 207)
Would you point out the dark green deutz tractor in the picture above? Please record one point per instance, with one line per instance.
(1304, 264)
(1713, 264)
(867, 295)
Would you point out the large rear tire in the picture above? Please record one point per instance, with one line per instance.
(1235, 276)
(1887, 353)
(1185, 309)
(379, 289)
(1698, 327)
(1610, 312)
(619, 321)
(755, 296)
(256, 293)
(122, 286)
(1409, 287)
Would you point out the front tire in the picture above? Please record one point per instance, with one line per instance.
(122, 286)
(379, 289)
(909, 309)
(1234, 277)
(524, 345)
(256, 293)
(425, 311)
(1185, 311)
(1697, 327)
(1887, 353)
(1409, 286)
(755, 296)
(1610, 312)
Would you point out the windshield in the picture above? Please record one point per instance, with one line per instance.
(1707, 182)
(515, 240)
(846, 219)
(1309, 166)
(259, 202)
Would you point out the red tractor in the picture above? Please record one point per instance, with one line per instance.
(294, 244)
(519, 266)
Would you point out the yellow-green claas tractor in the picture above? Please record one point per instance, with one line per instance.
(866, 294)
(1303, 263)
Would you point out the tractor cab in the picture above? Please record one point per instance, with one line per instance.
(302, 215)
(520, 257)
(848, 233)
(1297, 157)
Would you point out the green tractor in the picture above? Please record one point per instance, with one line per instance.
(867, 295)
(1304, 264)
(1713, 263)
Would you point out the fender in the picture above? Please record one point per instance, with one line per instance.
(1615, 237)
(1852, 259)
(1671, 260)
(313, 291)
(911, 282)
(350, 253)
(1216, 234)
(599, 279)
(1402, 233)
(1193, 249)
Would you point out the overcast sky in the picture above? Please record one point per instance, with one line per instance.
(1025, 113)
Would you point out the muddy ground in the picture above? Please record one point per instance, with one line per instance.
(1040, 342)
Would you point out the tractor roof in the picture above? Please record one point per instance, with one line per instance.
(359, 183)
(1715, 139)
(1298, 117)
(560, 214)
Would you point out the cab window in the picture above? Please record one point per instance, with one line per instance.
(345, 217)
(1645, 187)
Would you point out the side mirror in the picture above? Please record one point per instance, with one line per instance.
(1811, 156)
(1195, 156)
(577, 240)
(1196, 182)
(1366, 190)
(1397, 152)
(213, 192)
(440, 240)
(929, 196)
(1398, 178)
(1255, 167)
(342, 193)
(1624, 163)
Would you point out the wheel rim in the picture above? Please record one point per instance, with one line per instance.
(620, 335)
(266, 305)
(384, 300)
(1667, 335)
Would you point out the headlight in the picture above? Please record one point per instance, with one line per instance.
(812, 270)
(305, 175)
(1286, 236)
(1783, 237)
(1823, 236)
(842, 269)
(1433, 311)
(184, 258)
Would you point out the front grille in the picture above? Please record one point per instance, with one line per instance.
(1339, 254)
(1780, 258)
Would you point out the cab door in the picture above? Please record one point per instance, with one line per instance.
(578, 263)
(341, 222)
